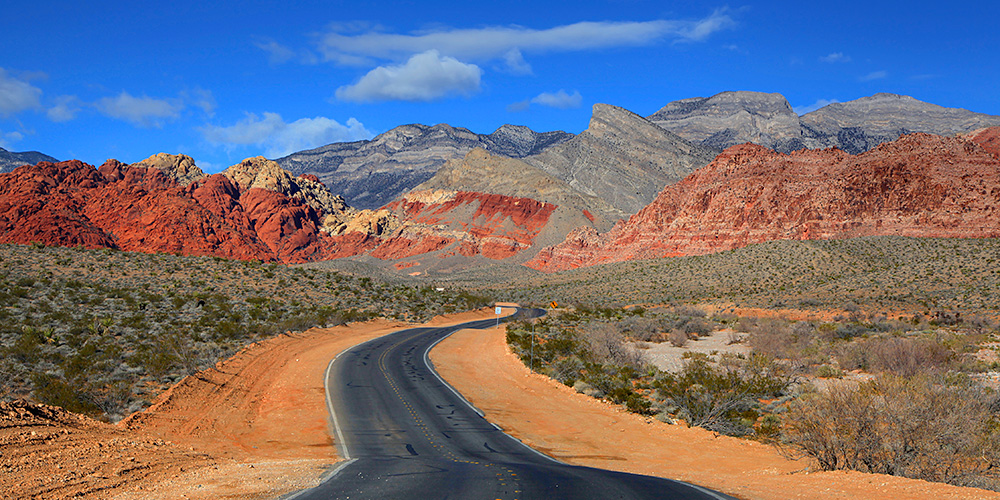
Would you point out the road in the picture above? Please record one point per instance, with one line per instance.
(407, 434)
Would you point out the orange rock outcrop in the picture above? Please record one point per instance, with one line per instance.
(140, 208)
(919, 185)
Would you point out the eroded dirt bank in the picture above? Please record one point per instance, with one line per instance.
(254, 426)
(581, 430)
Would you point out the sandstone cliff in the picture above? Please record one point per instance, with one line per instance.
(180, 168)
(442, 224)
(257, 213)
(621, 158)
(920, 185)
(483, 172)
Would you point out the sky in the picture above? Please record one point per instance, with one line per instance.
(222, 81)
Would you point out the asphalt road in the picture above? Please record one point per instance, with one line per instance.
(408, 434)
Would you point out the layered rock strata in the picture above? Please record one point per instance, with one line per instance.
(920, 185)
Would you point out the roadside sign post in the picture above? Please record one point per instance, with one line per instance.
(532, 346)
(498, 316)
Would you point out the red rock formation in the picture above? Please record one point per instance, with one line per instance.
(491, 225)
(920, 185)
(140, 208)
(988, 138)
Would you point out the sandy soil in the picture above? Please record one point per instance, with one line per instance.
(255, 426)
(667, 357)
(581, 430)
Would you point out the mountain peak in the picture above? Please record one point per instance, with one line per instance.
(180, 168)
(733, 117)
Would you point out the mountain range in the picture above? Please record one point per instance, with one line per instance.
(372, 173)
(731, 118)
(627, 187)
(10, 160)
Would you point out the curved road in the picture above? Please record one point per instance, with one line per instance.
(408, 434)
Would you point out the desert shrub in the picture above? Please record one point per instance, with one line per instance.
(772, 338)
(722, 400)
(918, 427)
(901, 356)
(56, 391)
(698, 327)
(608, 345)
(689, 312)
(677, 338)
(828, 371)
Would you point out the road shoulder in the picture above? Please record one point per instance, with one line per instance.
(581, 430)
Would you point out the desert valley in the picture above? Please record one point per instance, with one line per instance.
(760, 302)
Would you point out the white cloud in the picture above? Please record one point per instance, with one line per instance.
(65, 108)
(835, 57)
(424, 77)
(277, 53)
(140, 111)
(560, 99)
(279, 138)
(17, 95)
(201, 98)
(9, 138)
(874, 75)
(519, 106)
(497, 42)
(801, 110)
(515, 64)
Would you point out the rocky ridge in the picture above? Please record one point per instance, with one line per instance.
(370, 174)
(10, 160)
(253, 211)
(919, 185)
(731, 118)
(483, 172)
(621, 158)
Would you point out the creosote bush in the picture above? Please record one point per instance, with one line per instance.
(921, 427)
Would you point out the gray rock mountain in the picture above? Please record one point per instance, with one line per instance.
(859, 125)
(622, 158)
(369, 174)
(10, 160)
(730, 118)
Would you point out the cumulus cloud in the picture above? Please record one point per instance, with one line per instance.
(835, 57)
(874, 75)
(279, 138)
(140, 111)
(497, 42)
(801, 110)
(424, 77)
(65, 108)
(17, 94)
(560, 99)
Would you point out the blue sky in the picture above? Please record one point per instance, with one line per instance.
(223, 81)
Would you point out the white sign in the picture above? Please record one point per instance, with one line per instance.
(498, 310)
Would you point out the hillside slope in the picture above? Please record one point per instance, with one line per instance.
(622, 158)
(370, 174)
(919, 185)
